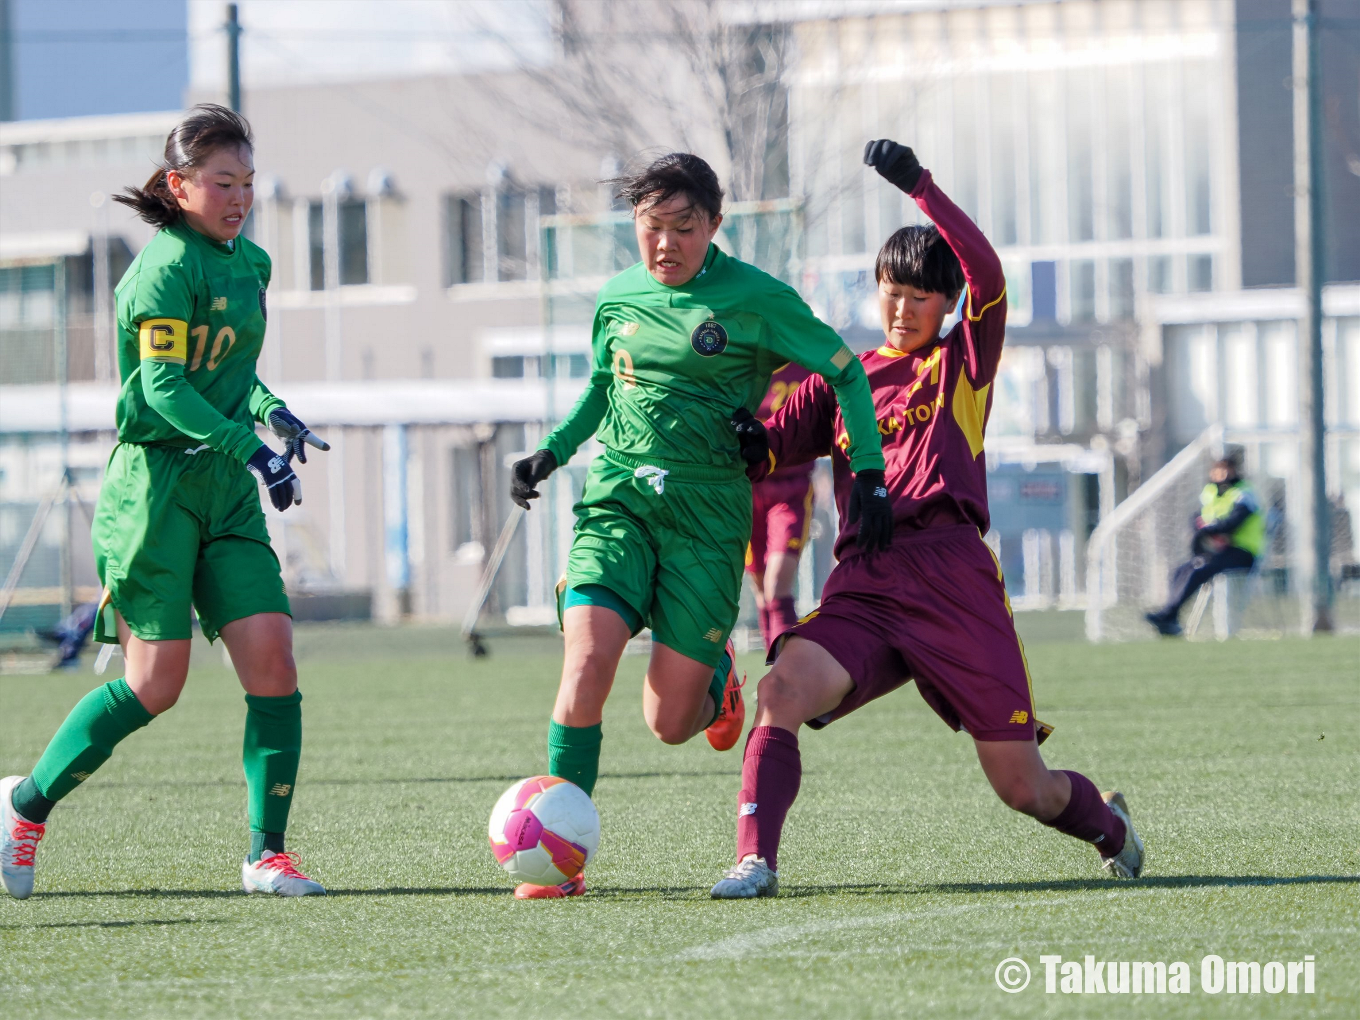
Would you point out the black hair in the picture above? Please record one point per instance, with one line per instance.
(205, 129)
(1232, 463)
(919, 257)
(676, 173)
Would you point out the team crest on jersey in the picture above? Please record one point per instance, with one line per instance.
(264, 312)
(709, 338)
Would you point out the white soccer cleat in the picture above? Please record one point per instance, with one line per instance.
(18, 843)
(278, 874)
(1128, 863)
(751, 877)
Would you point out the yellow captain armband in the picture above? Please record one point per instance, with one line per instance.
(164, 340)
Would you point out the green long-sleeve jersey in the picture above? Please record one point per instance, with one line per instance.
(191, 323)
(671, 364)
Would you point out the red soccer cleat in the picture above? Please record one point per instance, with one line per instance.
(725, 731)
(571, 887)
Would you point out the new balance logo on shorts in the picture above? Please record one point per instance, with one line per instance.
(746, 809)
(80, 777)
(280, 790)
(1020, 716)
(714, 635)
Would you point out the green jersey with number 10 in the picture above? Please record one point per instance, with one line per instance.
(671, 364)
(191, 323)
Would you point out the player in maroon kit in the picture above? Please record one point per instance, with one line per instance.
(781, 512)
(931, 607)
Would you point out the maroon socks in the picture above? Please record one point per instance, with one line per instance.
(770, 775)
(782, 616)
(1087, 817)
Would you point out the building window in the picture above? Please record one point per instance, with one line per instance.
(1121, 288)
(512, 244)
(1159, 274)
(507, 367)
(467, 497)
(1201, 272)
(1083, 290)
(463, 239)
(352, 217)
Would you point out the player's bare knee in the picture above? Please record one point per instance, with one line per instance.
(668, 729)
(1020, 794)
(776, 691)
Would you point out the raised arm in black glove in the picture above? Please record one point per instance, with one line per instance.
(895, 163)
(870, 505)
(751, 434)
(527, 473)
(276, 474)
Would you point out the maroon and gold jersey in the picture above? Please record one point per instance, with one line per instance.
(782, 386)
(931, 404)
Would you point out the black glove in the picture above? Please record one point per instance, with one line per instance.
(895, 163)
(274, 470)
(527, 473)
(870, 505)
(751, 434)
(288, 427)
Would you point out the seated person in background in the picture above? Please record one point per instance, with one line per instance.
(1230, 532)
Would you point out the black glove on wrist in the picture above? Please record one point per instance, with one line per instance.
(870, 505)
(296, 436)
(527, 473)
(751, 434)
(895, 163)
(274, 471)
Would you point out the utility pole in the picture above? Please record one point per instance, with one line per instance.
(233, 30)
(1309, 275)
(60, 287)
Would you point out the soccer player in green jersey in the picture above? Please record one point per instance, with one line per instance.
(683, 347)
(178, 521)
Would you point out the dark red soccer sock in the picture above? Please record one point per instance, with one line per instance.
(765, 625)
(770, 775)
(782, 616)
(1088, 818)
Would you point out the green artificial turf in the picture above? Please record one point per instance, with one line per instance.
(904, 881)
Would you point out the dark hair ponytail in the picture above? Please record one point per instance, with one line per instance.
(207, 128)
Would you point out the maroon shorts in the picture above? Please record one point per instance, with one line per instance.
(931, 609)
(781, 512)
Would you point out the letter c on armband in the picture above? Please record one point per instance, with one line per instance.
(164, 340)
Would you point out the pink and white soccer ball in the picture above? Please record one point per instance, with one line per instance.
(544, 830)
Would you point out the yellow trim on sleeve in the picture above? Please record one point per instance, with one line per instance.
(772, 460)
(968, 311)
(164, 340)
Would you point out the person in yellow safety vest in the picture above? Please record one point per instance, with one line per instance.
(1230, 532)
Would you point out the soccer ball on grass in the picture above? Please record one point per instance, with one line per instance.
(544, 830)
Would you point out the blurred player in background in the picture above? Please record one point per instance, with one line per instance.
(1230, 533)
(684, 344)
(178, 522)
(781, 505)
(933, 607)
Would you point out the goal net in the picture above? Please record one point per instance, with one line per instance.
(1131, 553)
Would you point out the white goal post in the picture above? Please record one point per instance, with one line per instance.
(1131, 552)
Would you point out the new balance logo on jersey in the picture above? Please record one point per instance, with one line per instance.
(746, 809)
(219, 304)
(1019, 716)
(80, 777)
(628, 328)
(280, 790)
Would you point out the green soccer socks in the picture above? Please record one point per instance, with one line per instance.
(574, 754)
(83, 742)
(270, 753)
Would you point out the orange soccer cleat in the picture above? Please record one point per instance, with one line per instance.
(725, 730)
(575, 886)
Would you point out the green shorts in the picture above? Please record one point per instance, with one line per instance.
(174, 528)
(670, 540)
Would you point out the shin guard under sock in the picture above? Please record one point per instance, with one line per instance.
(771, 773)
(782, 616)
(84, 741)
(574, 754)
(1087, 817)
(269, 755)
